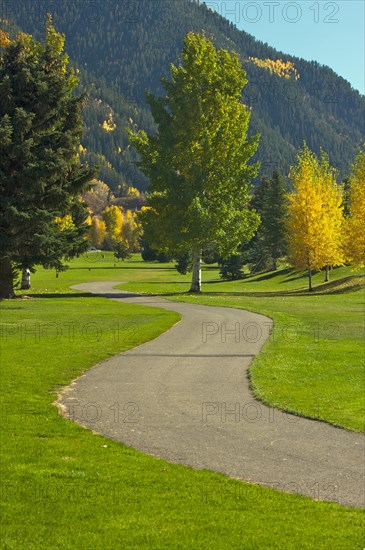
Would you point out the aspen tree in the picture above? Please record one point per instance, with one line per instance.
(355, 223)
(315, 214)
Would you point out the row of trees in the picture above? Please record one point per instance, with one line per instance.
(199, 195)
(116, 230)
(198, 164)
(319, 234)
(317, 225)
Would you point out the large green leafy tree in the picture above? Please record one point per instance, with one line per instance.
(197, 163)
(41, 177)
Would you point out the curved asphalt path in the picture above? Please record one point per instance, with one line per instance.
(185, 397)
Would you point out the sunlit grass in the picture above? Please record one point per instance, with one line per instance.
(64, 487)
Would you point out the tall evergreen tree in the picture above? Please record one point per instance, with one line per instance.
(255, 251)
(275, 209)
(198, 162)
(269, 244)
(41, 177)
(258, 201)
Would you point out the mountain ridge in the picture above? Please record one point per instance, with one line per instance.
(123, 48)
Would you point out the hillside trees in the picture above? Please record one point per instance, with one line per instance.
(198, 161)
(41, 176)
(320, 107)
(315, 214)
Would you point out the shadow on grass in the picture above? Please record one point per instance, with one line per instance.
(296, 276)
(116, 294)
(92, 267)
(166, 283)
(57, 295)
(339, 286)
(270, 275)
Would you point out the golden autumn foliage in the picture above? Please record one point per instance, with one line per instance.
(4, 39)
(97, 232)
(65, 223)
(115, 225)
(109, 124)
(315, 214)
(133, 192)
(113, 218)
(88, 220)
(354, 242)
(279, 67)
(131, 231)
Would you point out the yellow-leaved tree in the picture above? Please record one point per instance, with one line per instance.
(131, 231)
(113, 218)
(354, 242)
(4, 39)
(97, 232)
(315, 215)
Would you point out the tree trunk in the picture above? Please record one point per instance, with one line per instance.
(6, 279)
(327, 278)
(196, 276)
(25, 279)
(310, 279)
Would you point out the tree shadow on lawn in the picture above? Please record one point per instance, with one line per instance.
(253, 278)
(116, 294)
(34, 295)
(339, 286)
(345, 285)
(290, 275)
(92, 267)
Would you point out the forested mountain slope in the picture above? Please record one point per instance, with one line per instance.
(123, 47)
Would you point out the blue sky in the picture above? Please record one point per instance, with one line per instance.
(332, 33)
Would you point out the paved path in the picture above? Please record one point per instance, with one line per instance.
(185, 397)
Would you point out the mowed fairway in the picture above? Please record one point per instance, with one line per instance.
(64, 487)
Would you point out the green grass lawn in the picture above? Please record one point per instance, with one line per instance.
(65, 487)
